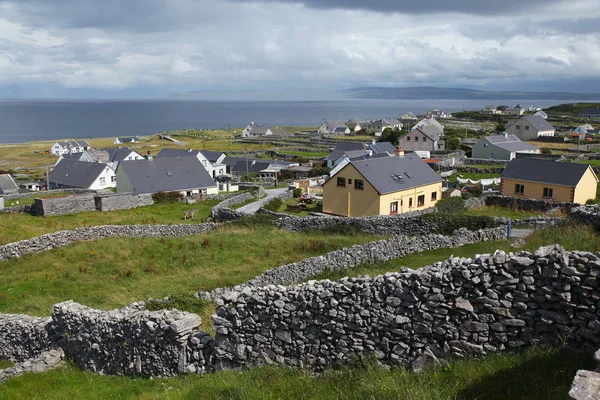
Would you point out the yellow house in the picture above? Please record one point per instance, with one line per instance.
(549, 180)
(382, 186)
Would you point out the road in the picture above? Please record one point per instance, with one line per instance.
(252, 208)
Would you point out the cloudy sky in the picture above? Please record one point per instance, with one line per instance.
(154, 47)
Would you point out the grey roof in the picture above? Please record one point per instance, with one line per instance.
(129, 139)
(252, 166)
(1, 191)
(166, 174)
(74, 143)
(590, 111)
(71, 156)
(408, 115)
(343, 147)
(76, 174)
(118, 154)
(558, 173)
(168, 153)
(7, 183)
(333, 124)
(389, 174)
(211, 156)
(340, 129)
(510, 143)
(367, 156)
(430, 131)
(539, 123)
(99, 155)
(382, 147)
(431, 122)
(232, 160)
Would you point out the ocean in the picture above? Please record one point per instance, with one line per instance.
(35, 120)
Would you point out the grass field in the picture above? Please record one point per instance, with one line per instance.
(502, 212)
(305, 153)
(538, 373)
(15, 227)
(30, 200)
(112, 273)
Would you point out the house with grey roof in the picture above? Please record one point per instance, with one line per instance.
(438, 114)
(333, 127)
(255, 130)
(376, 127)
(516, 110)
(502, 147)
(8, 184)
(169, 174)
(530, 127)
(70, 147)
(82, 175)
(426, 137)
(342, 148)
(214, 169)
(549, 180)
(128, 139)
(408, 117)
(382, 186)
(432, 122)
(589, 113)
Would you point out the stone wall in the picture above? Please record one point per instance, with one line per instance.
(586, 385)
(64, 238)
(223, 212)
(50, 206)
(357, 255)
(589, 215)
(26, 195)
(132, 342)
(483, 161)
(122, 201)
(525, 204)
(458, 308)
(23, 337)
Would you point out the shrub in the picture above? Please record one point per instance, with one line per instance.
(452, 143)
(273, 205)
(297, 192)
(451, 205)
(546, 150)
(166, 197)
(449, 222)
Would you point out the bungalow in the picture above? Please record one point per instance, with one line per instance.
(382, 186)
(589, 113)
(530, 127)
(70, 147)
(83, 175)
(516, 110)
(342, 148)
(214, 169)
(541, 114)
(83, 156)
(408, 117)
(8, 184)
(333, 128)
(438, 114)
(255, 130)
(429, 121)
(130, 139)
(490, 110)
(502, 147)
(548, 180)
(424, 138)
(169, 174)
(377, 126)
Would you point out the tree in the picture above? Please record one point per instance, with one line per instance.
(453, 143)
(500, 126)
(388, 135)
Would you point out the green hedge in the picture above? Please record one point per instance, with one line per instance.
(449, 222)
(451, 205)
(273, 205)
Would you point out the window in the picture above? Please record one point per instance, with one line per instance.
(548, 192)
(518, 127)
(341, 181)
(519, 189)
(408, 138)
(349, 181)
(113, 178)
(491, 155)
(410, 202)
(433, 196)
(421, 200)
(526, 127)
(359, 184)
(394, 207)
(103, 181)
(424, 139)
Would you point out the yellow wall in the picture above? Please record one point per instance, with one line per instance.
(534, 190)
(586, 188)
(403, 196)
(351, 202)
(348, 201)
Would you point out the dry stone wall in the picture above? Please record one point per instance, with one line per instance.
(49, 206)
(458, 308)
(41, 363)
(222, 211)
(525, 204)
(23, 337)
(122, 201)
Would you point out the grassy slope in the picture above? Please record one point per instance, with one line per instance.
(542, 373)
(15, 227)
(501, 212)
(112, 273)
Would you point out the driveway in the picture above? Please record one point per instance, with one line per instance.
(252, 208)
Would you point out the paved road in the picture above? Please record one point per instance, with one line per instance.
(252, 208)
(521, 233)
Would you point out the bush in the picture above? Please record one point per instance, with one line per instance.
(297, 192)
(452, 143)
(451, 205)
(449, 222)
(166, 197)
(273, 205)
(546, 151)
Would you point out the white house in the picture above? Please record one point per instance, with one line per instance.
(70, 147)
(429, 121)
(130, 139)
(542, 114)
(438, 114)
(489, 109)
(502, 147)
(212, 161)
(530, 127)
(516, 110)
(255, 130)
(333, 127)
(377, 126)
(83, 175)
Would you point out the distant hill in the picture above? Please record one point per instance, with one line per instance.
(570, 109)
(432, 93)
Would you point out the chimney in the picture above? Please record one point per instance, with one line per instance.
(505, 134)
(370, 153)
(373, 141)
(149, 156)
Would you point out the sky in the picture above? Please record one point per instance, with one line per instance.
(147, 48)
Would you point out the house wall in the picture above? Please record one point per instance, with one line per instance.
(412, 145)
(479, 151)
(109, 180)
(525, 131)
(586, 188)
(1, 203)
(348, 201)
(535, 190)
(124, 185)
(403, 197)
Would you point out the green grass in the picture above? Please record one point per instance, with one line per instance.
(593, 163)
(111, 273)
(6, 364)
(306, 154)
(304, 213)
(30, 200)
(571, 237)
(538, 373)
(15, 227)
(495, 211)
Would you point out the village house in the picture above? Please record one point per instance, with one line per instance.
(255, 130)
(429, 121)
(408, 117)
(502, 147)
(170, 174)
(82, 175)
(530, 127)
(382, 186)
(214, 169)
(589, 113)
(438, 114)
(333, 127)
(70, 146)
(8, 184)
(541, 113)
(490, 110)
(516, 110)
(424, 138)
(377, 126)
(342, 148)
(549, 180)
(130, 139)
